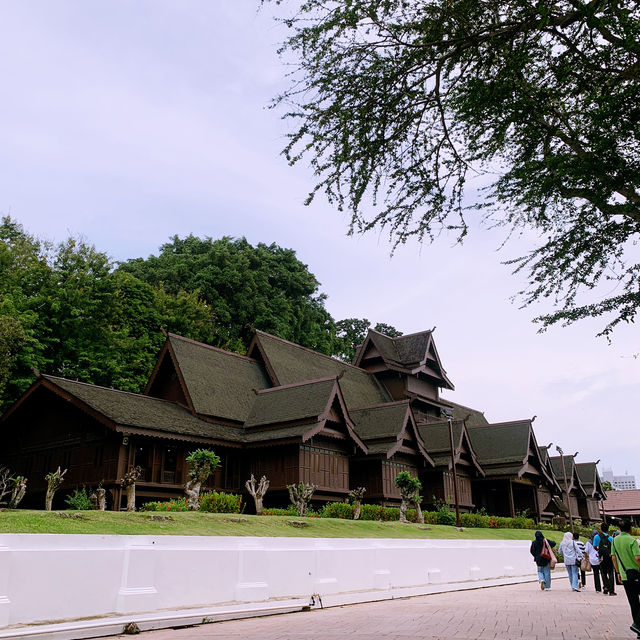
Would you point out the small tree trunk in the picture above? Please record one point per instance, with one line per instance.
(54, 480)
(18, 492)
(257, 492)
(102, 498)
(192, 491)
(356, 513)
(93, 498)
(403, 510)
(419, 512)
(131, 497)
(300, 495)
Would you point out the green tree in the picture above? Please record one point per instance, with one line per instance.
(263, 287)
(351, 332)
(398, 103)
(607, 486)
(65, 311)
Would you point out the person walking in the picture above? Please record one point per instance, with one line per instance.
(602, 542)
(572, 557)
(538, 549)
(594, 559)
(583, 551)
(625, 555)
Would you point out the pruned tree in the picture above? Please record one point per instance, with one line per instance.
(102, 498)
(355, 496)
(128, 481)
(54, 482)
(257, 492)
(203, 463)
(19, 489)
(5, 484)
(300, 496)
(93, 498)
(409, 493)
(397, 104)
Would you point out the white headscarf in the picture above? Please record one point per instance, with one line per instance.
(567, 538)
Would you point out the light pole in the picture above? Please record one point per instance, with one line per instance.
(566, 487)
(449, 417)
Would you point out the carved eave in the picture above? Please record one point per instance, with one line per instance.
(409, 427)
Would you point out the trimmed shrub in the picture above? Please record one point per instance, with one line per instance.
(338, 510)
(214, 502)
(179, 504)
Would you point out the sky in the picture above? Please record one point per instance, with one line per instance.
(129, 122)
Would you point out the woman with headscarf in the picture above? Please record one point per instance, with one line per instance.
(572, 557)
(594, 559)
(544, 570)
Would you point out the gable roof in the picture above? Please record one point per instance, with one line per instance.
(289, 363)
(293, 402)
(298, 410)
(471, 417)
(590, 479)
(436, 441)
(384, 427)
(131, 410)
(504, 448)
(411, 353)
(218, 383)
(573, 480)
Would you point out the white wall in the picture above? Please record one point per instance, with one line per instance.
(61, 577)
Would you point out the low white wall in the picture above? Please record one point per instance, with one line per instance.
(62, 577)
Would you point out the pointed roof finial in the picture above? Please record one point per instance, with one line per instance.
(339, 376)
(164, 332)
(36, 373)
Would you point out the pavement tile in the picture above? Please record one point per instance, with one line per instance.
(494, 613)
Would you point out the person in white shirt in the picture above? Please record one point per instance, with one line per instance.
(594, 559)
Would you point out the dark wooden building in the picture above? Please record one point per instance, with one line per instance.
(574, 495)
(590, 480)
(281, 410)
(514, 471)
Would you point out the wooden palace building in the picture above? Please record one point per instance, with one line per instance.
(286, 412)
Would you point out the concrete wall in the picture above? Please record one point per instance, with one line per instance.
(63, 577)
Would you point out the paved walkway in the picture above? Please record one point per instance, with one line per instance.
(515, 611)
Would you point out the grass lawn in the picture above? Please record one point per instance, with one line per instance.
(219, 524)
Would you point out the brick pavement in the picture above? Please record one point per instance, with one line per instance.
(514, 611)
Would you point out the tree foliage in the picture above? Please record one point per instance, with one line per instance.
(65, 311)
(399, 103)
(263, 287)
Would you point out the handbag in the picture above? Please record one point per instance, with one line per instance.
(585, 565)
(546, 551)
(554, 560)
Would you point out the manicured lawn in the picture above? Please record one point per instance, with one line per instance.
(218, 524)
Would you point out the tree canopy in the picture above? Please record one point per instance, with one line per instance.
(351, 333)
(263, 287)
(399, 104)
(65, 311)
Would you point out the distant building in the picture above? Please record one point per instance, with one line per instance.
(622, 483)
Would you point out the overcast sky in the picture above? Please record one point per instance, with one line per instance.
(129, 122)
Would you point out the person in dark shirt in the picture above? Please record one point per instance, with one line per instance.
(544, 570)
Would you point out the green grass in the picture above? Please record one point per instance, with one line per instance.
(219, 524)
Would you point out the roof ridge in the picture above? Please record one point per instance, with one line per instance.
(382, 404)
(317, 353)
(296, 384)
(208, 346)
(499, 424)
(129, 393)
(404, 335)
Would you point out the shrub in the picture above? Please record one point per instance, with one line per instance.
(472, 520)
(338, 510)
(179, 504)
(214, 502)
(79, 500)
(445, 515)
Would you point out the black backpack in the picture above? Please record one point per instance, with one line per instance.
(604, 546)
